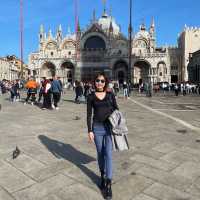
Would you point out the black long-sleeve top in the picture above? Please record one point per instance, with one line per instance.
(101, 109)
(79, 90)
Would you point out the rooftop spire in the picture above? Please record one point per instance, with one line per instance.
(50, 34)
(94, 15)
(104, 7)
(111, 11)
(153, 23)
(111, 27)
(60, 28)
(78, 27)
(41, 28)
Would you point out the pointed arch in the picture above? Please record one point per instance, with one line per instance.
(67, 71)
(162, 68)
(141, 71)
(120, 71)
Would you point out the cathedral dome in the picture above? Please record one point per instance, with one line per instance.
(105, 21)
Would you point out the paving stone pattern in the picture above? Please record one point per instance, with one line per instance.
(56, 161)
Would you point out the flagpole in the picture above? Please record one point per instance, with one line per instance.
(21, 37)
(76, 33)
(130, 79)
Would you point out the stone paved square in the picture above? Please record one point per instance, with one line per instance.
(57, 162)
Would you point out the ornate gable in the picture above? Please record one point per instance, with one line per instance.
(94, 28)
(68, 44)
(51, 45)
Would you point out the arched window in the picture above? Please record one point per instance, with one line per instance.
(95, 42)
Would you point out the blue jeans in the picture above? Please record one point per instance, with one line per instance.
(103, 142)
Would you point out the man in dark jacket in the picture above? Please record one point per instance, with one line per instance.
(56, 90)
(42, 88)
(17, 90)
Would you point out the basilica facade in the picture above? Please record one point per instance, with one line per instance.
(102, 47)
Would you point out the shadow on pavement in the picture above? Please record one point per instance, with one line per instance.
(75, 102)
(68, 100)
(68, 152)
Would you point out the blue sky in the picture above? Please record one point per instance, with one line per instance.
(170, 18)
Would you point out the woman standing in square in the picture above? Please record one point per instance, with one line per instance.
(100, 105)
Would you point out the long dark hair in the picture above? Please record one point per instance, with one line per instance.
(106, 81)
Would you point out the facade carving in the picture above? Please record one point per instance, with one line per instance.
(103, 47)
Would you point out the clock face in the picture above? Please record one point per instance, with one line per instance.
(140, 44)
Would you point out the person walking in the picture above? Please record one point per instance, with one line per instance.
(125, 90)
(176, 89)
(12, 91)
(100, 104)
(46, 95)
(62, 87)
(42, 88)
(56, 91)
(17, 90)
(110, 86)
(184, 89)
(86, 90)
(31, 85)
(116, 88)
(78, 92)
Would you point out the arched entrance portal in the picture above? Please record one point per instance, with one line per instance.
(48, 70)
(120, 71)
(67, 72)
(162, 72)
(141, 72)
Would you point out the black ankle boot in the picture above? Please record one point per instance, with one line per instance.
(108, 190)
(103, 181)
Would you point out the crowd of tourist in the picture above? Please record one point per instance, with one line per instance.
(183, 88)
(83, 89)
(186, 88)
(13, 87)
(49, 91)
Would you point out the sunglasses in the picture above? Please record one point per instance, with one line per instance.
(100, 80)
